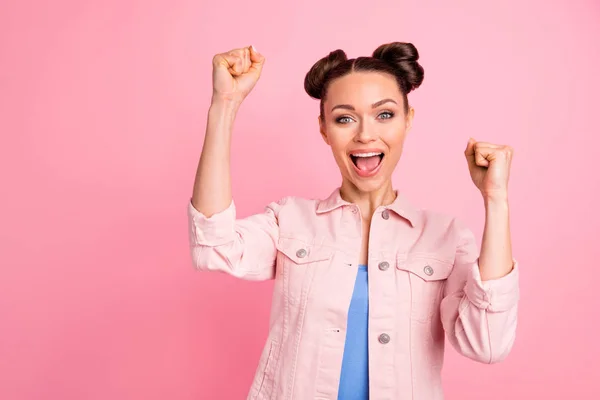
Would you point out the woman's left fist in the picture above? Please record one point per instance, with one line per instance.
(489, 165)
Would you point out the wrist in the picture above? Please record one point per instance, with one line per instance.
(226, 100)
(223, 108)
(495, 200)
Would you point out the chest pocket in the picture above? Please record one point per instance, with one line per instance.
(301, 261)
(427, 276)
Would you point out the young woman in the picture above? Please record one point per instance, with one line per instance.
(367, 286)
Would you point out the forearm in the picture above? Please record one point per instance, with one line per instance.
(479, 310)
(212, 185)
(496, 260)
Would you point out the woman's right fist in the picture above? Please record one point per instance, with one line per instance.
(236, 72)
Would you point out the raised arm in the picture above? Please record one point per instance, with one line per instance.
(235, 73)
(479, 309)
(219, 241)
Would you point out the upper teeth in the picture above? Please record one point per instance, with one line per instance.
(366, 154)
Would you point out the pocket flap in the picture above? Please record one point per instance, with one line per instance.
(302, 252)
(427, 268)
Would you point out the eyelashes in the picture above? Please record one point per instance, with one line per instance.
(340, 120)
(343, 119)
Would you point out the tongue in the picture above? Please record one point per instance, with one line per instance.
(367, 163)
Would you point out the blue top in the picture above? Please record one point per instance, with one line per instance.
(354, 379)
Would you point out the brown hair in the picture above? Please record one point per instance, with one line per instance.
(397, 59)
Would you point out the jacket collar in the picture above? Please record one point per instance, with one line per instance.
(400, 206)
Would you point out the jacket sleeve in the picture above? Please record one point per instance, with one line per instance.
(479, 318)
(244, 248)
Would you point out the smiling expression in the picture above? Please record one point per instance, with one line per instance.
(365, 125)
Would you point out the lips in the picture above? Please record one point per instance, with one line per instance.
(367, 162)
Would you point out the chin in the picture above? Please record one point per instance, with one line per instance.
(371, 184)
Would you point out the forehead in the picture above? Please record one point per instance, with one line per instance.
(363, 88)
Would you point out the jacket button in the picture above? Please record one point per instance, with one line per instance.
(301, 253)
(384, 265)
(385, 214)
(384, 338)
(428, 270)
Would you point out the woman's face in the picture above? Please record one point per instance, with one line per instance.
(365, 126)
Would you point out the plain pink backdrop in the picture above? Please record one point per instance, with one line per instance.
(102, 114)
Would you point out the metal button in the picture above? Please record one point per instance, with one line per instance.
(301, 253)
(385, 214)
(384, 265)
(428, 270)
(384, 338)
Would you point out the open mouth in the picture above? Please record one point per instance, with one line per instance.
(367, 164)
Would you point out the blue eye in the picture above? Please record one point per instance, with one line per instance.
(341, 120)
(346, 119)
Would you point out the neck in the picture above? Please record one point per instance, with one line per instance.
(368, 201)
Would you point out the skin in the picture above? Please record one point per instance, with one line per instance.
(383, 127)
(236, 72)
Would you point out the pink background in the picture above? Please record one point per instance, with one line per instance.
(102, 112)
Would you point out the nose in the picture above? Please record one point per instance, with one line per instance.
(366, 133)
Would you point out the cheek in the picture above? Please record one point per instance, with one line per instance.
(395, 142)
(338, 141)
(339, 151)
(394, 138)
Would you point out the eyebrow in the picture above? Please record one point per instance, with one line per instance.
(374, 105)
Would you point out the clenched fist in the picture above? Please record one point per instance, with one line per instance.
(236, 72)
(489, 166)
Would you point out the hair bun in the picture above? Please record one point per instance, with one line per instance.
(403, 57)
(315, 78)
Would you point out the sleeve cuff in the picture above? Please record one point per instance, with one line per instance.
(214, 230)
(496, 295)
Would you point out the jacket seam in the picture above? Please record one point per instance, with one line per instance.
(487, 323)
(292, 383)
